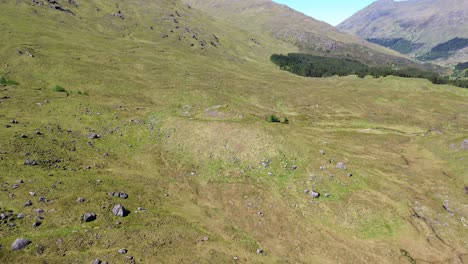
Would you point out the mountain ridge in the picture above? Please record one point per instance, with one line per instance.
(423, 23)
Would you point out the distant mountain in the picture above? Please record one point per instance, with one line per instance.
(308, 34)
(421, 28)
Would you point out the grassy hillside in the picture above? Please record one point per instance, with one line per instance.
(182, 131)
(309, 35)
(422, 24)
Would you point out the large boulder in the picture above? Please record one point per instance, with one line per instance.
(89, 217)
(20, 243)
(119, 210)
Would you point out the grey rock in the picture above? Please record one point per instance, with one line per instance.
(314, 194)
(322, 152)
(294, 167)
(119, 210)
(20, 216)
(122, 195)
(327, 195)
(341, 165)
(80, 200)
(93, 136)
(259, 251)
(30, 163)
(464, 144)
(89, 217)
(96, 261)
(36, 224)
(27, 203)
(20, 243)
(122, 251)
(350, 175)
(141, 209)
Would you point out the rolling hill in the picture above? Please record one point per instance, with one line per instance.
(414, 27)
(162, 109)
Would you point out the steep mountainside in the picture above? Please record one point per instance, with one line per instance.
(157, 107)
(417, 25)
(310, 35)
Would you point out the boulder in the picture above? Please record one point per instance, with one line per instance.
(89, 217)
(314, 194)
(119, 210)
(93, 136)
(30, 163)
(20, 243)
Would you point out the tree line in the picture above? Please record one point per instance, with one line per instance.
(316, 66)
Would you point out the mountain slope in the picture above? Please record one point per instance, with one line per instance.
(310, 35)
(422, 24)
(182, 131)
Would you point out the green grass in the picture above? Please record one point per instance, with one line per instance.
(58, 88)
(165, 109)
(6, 82)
